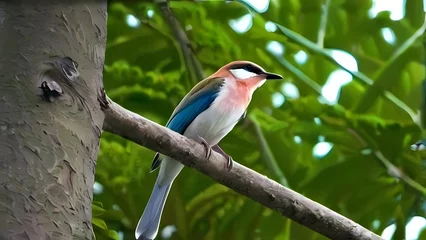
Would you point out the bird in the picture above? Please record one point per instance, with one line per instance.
(206, 114)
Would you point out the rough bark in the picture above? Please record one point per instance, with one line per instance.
(241, 179)
(49, 136)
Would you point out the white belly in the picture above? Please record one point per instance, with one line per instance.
(214, 123)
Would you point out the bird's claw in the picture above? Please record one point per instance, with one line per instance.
(206, 147)
(230, 162)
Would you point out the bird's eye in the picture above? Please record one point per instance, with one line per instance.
(248, 68)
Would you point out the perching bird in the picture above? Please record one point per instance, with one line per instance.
(206, 114)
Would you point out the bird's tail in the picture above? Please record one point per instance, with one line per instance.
(150, 221)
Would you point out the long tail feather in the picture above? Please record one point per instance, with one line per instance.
(150, 221)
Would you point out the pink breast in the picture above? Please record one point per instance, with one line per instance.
(236, 96)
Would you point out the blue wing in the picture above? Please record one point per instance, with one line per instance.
(196, 102)
(184, 117)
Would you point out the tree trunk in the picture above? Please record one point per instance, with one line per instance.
(51, 63)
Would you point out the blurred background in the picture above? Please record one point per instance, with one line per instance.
(338, 129)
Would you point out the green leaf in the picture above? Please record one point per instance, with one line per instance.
(266, 121)
(99, 223)
(98, 204)
(97, 211)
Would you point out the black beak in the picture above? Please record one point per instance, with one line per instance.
(273, 76)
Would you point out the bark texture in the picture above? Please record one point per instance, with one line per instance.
(51, 63)
(241, 179)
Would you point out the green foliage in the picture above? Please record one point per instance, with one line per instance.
(99, 225)
(370, 175)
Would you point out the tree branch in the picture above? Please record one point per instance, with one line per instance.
(241, 179)
(192, 64)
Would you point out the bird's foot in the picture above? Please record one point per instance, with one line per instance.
(230, 161)
(206, 147)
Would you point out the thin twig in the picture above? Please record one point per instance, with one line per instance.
(420, 145)
(192, 64)
(392, 170)
(299, 74)
(398, 173)
(323, 24)
(243, 180)
(358, 75)
(269, 158)
(372, 93)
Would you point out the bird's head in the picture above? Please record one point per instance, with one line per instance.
(243, 70)
(247, 73)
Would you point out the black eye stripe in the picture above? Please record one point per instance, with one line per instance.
(248, 67)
